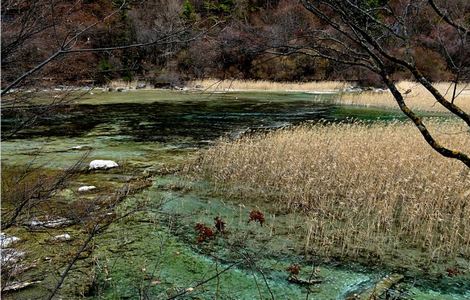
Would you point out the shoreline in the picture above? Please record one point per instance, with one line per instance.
(416, 96)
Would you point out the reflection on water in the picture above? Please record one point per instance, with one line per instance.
(189, 121)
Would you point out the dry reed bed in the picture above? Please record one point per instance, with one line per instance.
(370, 190)
(263, 85)
(416, 96)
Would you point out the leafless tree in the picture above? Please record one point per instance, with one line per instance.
(37, 37)
(24, 24)
(50, 34)
(382, 37)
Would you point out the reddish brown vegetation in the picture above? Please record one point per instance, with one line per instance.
(219, 224)
(256, 216)
(204, 233)
(453, 271)
(293, 270)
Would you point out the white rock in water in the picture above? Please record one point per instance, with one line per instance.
(81, 147)
(86, 188)
(102, 164)
(62, 237)
(6, 241)
(380, 91)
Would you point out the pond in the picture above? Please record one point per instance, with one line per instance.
(155, 253)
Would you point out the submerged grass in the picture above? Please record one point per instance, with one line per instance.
(364, 189)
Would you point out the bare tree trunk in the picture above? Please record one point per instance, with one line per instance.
(368, 36)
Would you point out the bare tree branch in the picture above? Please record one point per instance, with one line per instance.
(353, 22)
(447, 18)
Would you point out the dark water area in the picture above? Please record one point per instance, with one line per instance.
(165, 122)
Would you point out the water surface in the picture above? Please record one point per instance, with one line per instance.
(149, 130)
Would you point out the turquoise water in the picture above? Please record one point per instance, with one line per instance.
(154, 253)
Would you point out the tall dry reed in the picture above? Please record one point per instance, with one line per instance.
(373, 190)
(416, 96)
(264, 85)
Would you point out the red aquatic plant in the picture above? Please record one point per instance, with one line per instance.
(453, 271)
(204, 232)
(293, 270)
(256, 216)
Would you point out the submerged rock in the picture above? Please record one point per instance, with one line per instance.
(302, 281)
(381, 91)
(6, 241)
(19, 269)
(81, 147)
(353, 89)
(62, 237)
(380, 287)
(18, 285)
(86, 188)
(48, 224)
(11, 256)
(99, 164)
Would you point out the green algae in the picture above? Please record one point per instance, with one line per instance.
(166, 254)
(164, 245)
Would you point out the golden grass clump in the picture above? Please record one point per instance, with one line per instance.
(264, 85)
(416, 96)
(118, 83)
(373, 189)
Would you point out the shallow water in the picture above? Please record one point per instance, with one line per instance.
(272, 248)
(155, 252)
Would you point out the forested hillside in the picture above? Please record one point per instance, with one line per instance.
(215, 38)
(235, 149)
